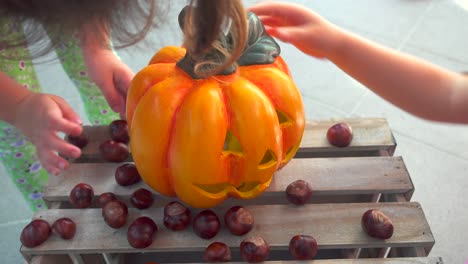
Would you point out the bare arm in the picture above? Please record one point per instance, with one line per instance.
(110, 74)
(11, 95)
(412, 84)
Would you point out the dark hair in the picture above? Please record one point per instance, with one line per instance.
(128, 20)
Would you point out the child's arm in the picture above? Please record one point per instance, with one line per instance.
(414, 85)
(39, 117)
(109, 73)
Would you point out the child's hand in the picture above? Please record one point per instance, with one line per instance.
(111, 75)
(295, 24)
(39, 117)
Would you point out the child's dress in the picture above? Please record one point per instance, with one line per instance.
(17, 154)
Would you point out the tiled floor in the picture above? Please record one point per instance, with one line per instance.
(436, 154)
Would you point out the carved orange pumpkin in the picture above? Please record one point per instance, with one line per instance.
(204, 140)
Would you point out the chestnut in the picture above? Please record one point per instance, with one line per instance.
(140, 232)
(303, 247)
(254, 249)
(105, 197)
(377, 224)
(176, 216)
(298, 192)
(142, 198)
(127, 174)
(80, 141)
(340, 135)
(217, 252)
(65, 228)
(115, 213)
(206, 224)
(119, 131)
(238, 220)
(113, 151)
(81, 196)
(35, 233)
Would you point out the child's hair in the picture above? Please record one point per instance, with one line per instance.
(128, 20)
(203, 26)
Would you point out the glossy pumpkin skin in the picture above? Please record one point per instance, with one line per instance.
(204, 140)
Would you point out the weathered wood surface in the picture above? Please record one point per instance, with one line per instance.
(53, 259)
(347, 177)
(335, 226)
(372, 137)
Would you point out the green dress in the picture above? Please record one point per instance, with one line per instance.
(16, 153)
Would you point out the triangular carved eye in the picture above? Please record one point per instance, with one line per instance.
(268, 160)
(232, 144)
(283, 118)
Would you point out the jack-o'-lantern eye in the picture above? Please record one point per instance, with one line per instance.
(269, 159)
(283, 118)
(232, 144)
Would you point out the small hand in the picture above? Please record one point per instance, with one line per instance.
(295, 24)
(111, 75)
(39, 117)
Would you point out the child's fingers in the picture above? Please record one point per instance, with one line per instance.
(53, 163)
(67, 111)
(271, 21)
(61, 146)
(66, 126)
(287, 11)
(279, 33)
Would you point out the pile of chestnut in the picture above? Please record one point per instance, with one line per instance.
(114, 149)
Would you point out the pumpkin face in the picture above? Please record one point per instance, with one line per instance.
(204, 140)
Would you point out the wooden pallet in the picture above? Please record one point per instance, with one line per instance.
(346, 183)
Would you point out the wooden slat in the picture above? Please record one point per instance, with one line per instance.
(365, 261)
(327, 176)
(335, 226)
(372, 137)
(57, 259)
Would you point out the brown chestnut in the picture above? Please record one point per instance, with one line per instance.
(238, 220)
(142, 198)
(35, 233)
(377, 224)
(176, 216)
(254, 249)
(65, 228)
(217, 252)
(127, 174)
(115, 213)
(140, 232)
(113, 151)
(81, 196)
(80, 141)
(340, 135)
(206, 224)
(298, 192)
(105, 197)
(303, 247)
(119, 131)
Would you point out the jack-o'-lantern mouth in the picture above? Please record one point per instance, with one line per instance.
(219, 188)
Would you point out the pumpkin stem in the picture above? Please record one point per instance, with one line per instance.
(261, 48)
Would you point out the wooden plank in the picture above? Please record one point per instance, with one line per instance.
(335, 226)
(372, 137)
(147, 258)
(327, 177)
(369, 135)
(433, 260)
